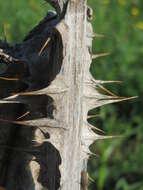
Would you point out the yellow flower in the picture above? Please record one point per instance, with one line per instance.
(134, 11)
(121, 2)
(106, 2)
(139, 25)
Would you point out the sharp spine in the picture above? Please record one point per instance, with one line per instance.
(44, 46)
(100, 55)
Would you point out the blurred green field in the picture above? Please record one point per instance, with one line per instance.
(118, 164)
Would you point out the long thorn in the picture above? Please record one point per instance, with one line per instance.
(95, 35)
(97, 129)
(100, 55)
(91, 179)
(120, 98)
(7, 121)
(100, 137)
(98, 35)
(24, 115)
(106, 90)
(42, 91)
(93, 116)
(9, 79)
(8, 102)
(44, 46)
(92, 154)
(105, 82)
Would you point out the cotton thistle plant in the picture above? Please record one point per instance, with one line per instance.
(46, 93)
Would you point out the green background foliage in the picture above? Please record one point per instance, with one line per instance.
(118, 162)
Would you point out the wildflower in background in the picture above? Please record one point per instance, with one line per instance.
(139, 25)
(106, 2)
(121, 2)
(135, 11)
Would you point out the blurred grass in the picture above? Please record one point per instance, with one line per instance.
(119, 164)
(18, 17)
